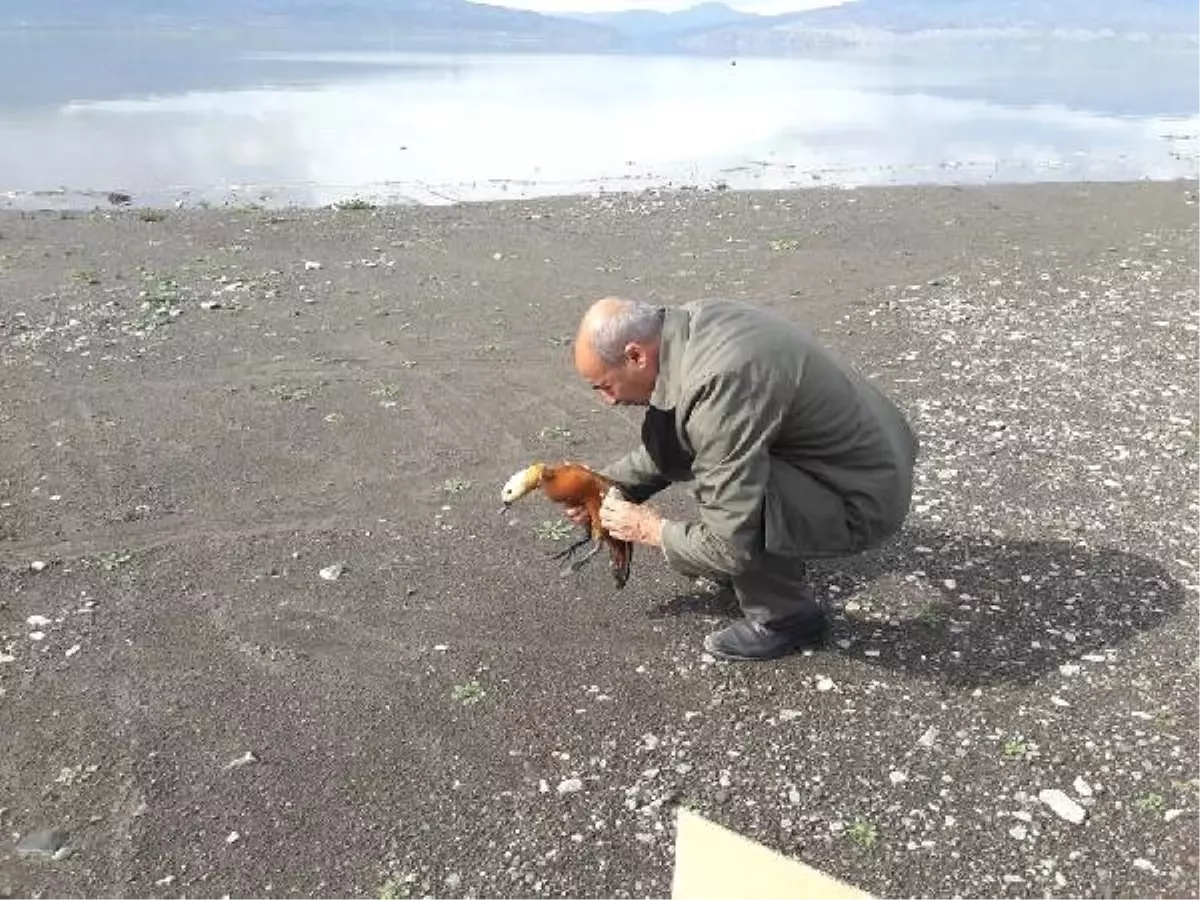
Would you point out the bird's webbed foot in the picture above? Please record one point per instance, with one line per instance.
(576, 565)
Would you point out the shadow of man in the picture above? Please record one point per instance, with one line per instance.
(972, 609)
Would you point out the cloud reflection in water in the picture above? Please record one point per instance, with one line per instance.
(472, 128)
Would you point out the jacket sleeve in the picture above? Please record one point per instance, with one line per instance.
(637, 475)
(731, 425)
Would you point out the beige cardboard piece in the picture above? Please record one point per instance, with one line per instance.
(714, 863)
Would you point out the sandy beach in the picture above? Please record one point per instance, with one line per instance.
(264, 633)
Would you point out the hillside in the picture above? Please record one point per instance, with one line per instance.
(872, 21)
(643, 24)
(455, 23)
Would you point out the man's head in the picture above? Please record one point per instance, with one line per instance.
(616, 350)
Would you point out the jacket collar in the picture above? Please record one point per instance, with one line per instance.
(675, 331)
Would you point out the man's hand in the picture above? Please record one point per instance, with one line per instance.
(631, 521)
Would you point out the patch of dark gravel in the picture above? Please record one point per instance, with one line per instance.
(204, 414)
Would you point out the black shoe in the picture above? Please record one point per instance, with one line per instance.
(746, 640)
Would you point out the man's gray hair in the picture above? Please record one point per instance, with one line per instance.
(637, 321)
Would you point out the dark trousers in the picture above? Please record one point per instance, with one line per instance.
(802, 520)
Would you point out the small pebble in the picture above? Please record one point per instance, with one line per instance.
(1062, 805)
(570, 786)
(43, 842)
(245, 759)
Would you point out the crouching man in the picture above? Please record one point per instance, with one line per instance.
(792, 454)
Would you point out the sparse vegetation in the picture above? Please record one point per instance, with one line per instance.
(86, 276)
(151, 215)
(469, 693)
(553, 530)
(783, 244)
(1014, 748)
(354, 203)
(386, 391)
(931, 614)
(455, 485)
(287, 392)
(396, 888)
(862, 833)
(1149, 802)
(112, 561)
(160, 302)
(76, 774)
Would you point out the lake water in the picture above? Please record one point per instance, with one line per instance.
(186, 123)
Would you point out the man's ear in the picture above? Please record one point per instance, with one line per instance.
(635, 355)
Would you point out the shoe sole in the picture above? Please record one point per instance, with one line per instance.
(778, 654)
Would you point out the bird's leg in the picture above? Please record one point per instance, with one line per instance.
(570, 551)
(597, 546)
(595, 535)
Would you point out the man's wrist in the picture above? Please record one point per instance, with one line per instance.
(655, 536)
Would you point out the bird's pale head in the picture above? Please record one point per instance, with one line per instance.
(521, 483)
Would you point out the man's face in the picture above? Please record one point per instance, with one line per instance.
(629, 383)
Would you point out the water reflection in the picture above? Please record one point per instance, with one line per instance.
(441, 129)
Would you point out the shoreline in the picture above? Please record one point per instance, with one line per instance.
(419, 194)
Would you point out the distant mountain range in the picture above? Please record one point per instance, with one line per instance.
(877, 21)
(705, 28)
(646, 24)
(404, 24)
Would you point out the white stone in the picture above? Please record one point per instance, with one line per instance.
(1082, 788)
(897, 777)
(1062, 805)
(824, 683)
(37, 621)
(1018, 832)
(37, 565)
(929, 737)
(570, 786)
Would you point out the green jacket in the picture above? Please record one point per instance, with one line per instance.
(790, 450)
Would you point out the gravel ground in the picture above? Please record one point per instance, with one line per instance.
(263, 633)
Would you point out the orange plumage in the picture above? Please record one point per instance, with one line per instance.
(573, 484)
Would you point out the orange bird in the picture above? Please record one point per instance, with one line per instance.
(572, 484)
